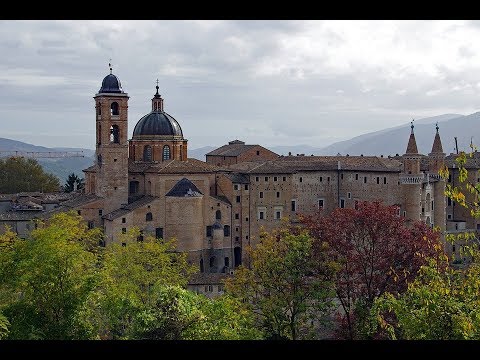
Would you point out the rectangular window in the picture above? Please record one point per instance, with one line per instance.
(294, 205)
(449, 202)
(238, 198)
(275, 178)
(261, 194)
(404, 213)
(341, 176)
(235, 187)
(328, 178)
(246, 219)
(321, 178)
(124, 220)
(237, 216)
(100, 212)
(277, 212)
(237, 238)
(236, 229)
(124, 230)
(209, 231)
(256, 178)
(79, 212)
(364, 179)
(278, 194)
(159, 233)
(284, 178)
(124, 244)
(449, 216)
(226, 230)
(450, 178)
(356, 204)
(91, 224)
(342, 203)
(432, 205)
(378, 180)
(384, 179)
(261, 215)
(356, 176)
(258, 152)
(246, 186)
(278, 215)
(301, 179)
(321, 203)
(266, 178)
(349, 195)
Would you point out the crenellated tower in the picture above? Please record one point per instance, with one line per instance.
(411, 179)
(111, 115)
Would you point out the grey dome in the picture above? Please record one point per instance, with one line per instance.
(157, 123)
(111, 84)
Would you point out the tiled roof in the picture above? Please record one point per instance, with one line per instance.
(412, 145)
(231, 150)
(437, 144)
(19, 215)
(238, 178)
(472, 162)
(144, 200)
(189, 166)
(184, 188)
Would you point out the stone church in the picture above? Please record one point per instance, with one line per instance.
(215, 209)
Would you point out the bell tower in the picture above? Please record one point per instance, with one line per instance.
(111, 116)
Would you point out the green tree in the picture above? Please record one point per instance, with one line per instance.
(179, 314)
(4, 324)
(285, 287)
(19, 174)
(73, 183)
(46, 278)
(442, 303)
(127, 278)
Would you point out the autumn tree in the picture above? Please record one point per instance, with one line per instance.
(47, 277)
(442, 303)
(19, 174)
(376, 252)
(285, 287)
(73, 183)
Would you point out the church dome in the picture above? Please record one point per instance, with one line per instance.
(157, 123)
(111, 84)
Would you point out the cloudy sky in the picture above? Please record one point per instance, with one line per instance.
(270, 82)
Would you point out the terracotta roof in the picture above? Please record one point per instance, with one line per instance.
(232, 149)
(144, 200)
(79, 200)
(208, 278)
(412, 144)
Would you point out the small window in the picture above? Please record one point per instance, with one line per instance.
(341, 176)
(449, 216)
(349, 195)
(237, 216)
(378, 180)
(450, 178)
(91, 225)
(246, 186)
(301, 179)
(238, 198)
(236, 229)
(124, 220)
(261, 215)
(100, 212)
(384, 179)
(258, 152)
(218, 215)
(227, 262)
(356, 176)
(328, 178)
(237, 238)
(256, 178)
(284, 178)
(278, 194)
(114, 108)
(212, 261)
(275, 178)
(364, 179)
(235, 187)
(321, 203)
(246, 237)
(149, 216)
(166, 152)
(453, 248)
(278, 214)
(79, 212)
(124, 244)
(449, 202)
(209, 231)
(261, 194)
(266, 178)
(404, 214)
(114, 134)
(226, 230)
(124, 230)
(342, 203)
(294, 205)
(321, 178)
(159, 233)
(246, 219)
(356, 205)
(210, 288)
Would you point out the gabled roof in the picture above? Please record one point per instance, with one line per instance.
(184, 188)
(231, 150)
(144, 200)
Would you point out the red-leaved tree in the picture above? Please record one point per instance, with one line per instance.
(375, 251)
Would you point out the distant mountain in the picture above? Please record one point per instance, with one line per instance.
(394, 140)
(60, 167)
(199, 153)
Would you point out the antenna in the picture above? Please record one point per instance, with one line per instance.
(110, 65)
(456, 145)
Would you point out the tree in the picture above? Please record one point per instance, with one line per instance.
(442, 303)
(179, 314)
(376, 252)
(73, 183)
(19, 174)
(284, 287)
(4, 324)
(46, 278)
(127, 279)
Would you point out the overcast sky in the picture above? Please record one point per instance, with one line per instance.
(270, 82)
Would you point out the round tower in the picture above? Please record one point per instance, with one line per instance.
(111, 116)
(157, 136)
(411, 179)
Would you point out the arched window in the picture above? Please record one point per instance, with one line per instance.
(427, 202)
(226, 230)
(114, 108)
(99, 109)
(181, 152)
(147, 153)
(218, 215)
(114, 134)
(149, 217)
(99, 136)
(212, 261)
(166, 152)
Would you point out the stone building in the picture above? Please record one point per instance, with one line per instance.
(215, 209)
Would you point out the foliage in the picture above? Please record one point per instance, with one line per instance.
(18, 174)
(284, 287)
(376, 252)
(127, 279)
(4, 324)
(442, 303)
(73, 183)
(47, 277)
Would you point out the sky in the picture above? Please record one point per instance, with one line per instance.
(267, 82)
